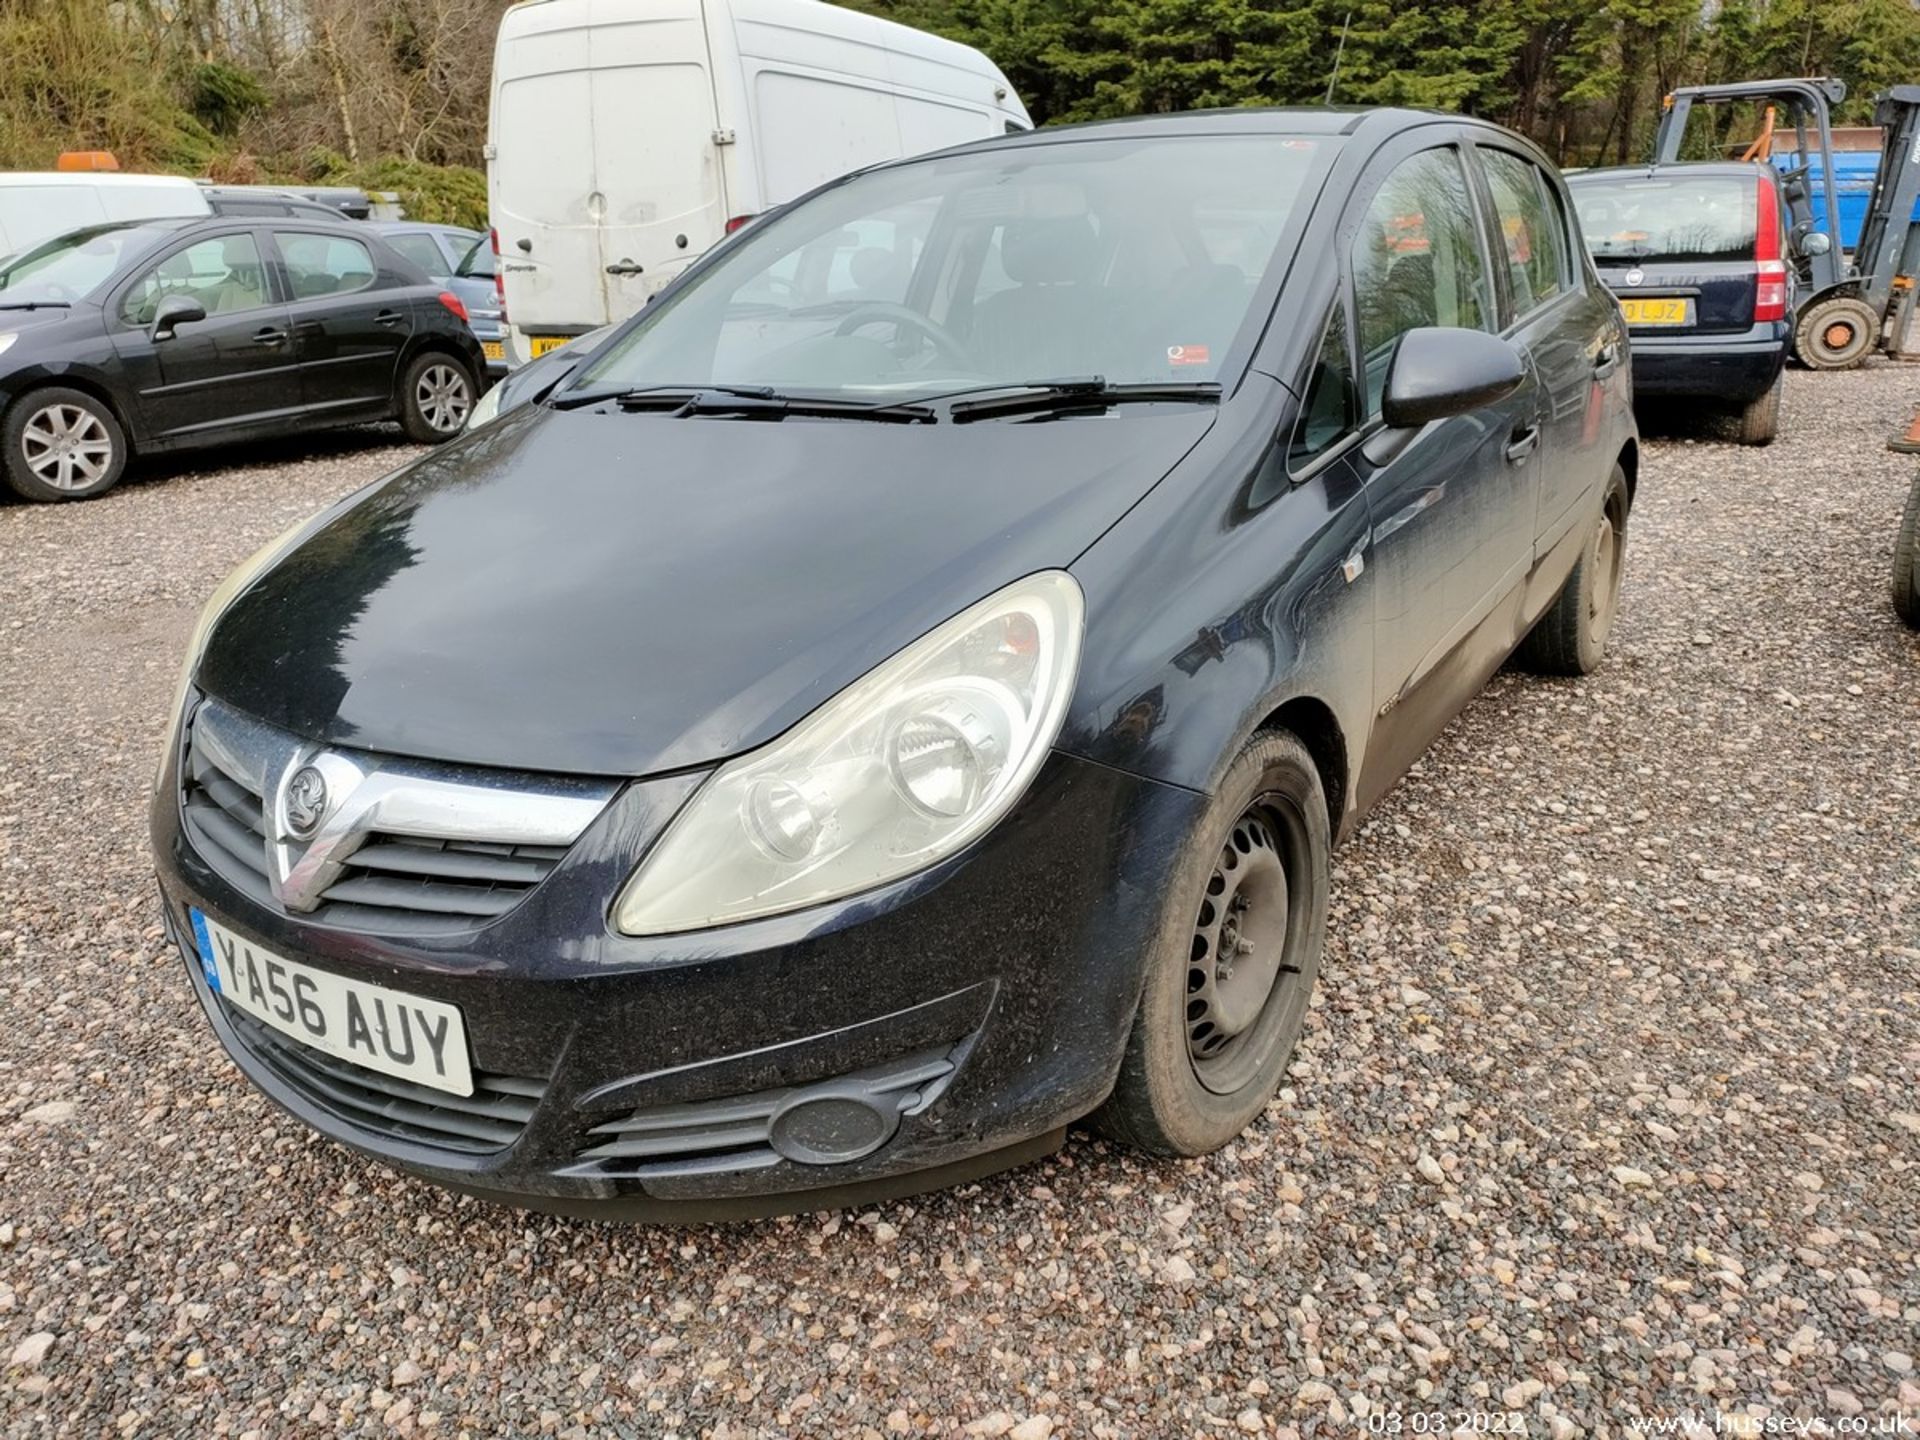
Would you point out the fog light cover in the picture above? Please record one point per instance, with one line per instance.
(907, 765)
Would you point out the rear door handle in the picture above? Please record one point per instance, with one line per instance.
(388, 317)
(269, 335)
(1523, 444)
(625, 267)
(1606, 359)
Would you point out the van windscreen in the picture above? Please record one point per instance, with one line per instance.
(1668, 219)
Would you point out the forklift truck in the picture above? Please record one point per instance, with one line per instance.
(1848, 305)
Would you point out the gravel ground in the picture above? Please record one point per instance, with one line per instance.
(1607, 1107)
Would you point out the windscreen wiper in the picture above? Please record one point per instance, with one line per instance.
(36, 304)
(752, 402)
(1081, 393)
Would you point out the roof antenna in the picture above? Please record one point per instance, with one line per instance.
(1334, 79)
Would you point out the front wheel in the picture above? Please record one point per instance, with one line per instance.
(1906, 561)
(436, 396)
(1228, 983)
(1571, 638)
(63, 445)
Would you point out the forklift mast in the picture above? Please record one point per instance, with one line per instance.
(1887, 238)
(1808, 105)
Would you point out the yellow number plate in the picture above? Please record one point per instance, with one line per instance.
(493, 349)
(538, 345)
(1654, 312)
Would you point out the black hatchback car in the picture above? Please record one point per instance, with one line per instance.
(131, 339)
(1697, 254)
(898, 696)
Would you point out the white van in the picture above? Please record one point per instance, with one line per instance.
(627, 136)
(37, 205)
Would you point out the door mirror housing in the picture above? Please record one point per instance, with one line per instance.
(1814, 242)
(173, 312)
(1440, 371)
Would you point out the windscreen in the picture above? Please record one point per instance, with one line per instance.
(1675, 218)
(70, 267)
(1132, 260)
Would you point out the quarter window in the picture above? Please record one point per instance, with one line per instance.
(1327, 413)
(321, 265)
(1531, 231)
(1417, 261)
(223, 274)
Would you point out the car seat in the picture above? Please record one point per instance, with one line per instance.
(1051, 323)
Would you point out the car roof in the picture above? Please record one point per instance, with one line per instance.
(417, 227)
(1689, 167)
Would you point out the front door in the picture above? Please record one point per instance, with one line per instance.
(232, 370)
(349, 324)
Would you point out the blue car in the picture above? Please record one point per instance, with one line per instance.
(1696, 255)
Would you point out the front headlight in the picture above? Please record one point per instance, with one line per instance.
(911, 762)
(484, 409)
(224, 595)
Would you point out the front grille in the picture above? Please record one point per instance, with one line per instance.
(490, 1119)
(741, 1132)
(483, 842)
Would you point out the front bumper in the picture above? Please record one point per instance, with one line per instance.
(1737, 368)
(987, 1000)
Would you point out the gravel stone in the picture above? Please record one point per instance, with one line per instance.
(1659, 919)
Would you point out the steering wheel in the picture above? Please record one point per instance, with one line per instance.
(877, 311)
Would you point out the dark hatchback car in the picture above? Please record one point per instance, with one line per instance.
(132, 339)
(898, 698)
(1696, 253)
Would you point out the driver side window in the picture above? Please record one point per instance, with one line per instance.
(222, 273)
(1418, 260)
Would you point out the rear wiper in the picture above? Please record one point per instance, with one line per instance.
(1091, 392)
(757, 402)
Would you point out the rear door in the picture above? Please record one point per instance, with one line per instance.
(351, 317)
(230, 371)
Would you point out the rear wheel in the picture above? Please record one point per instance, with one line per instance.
(1906, 561)
(436, 396)
(1760, 421)
(1835, 334)
(63, 445)
(1227, 987)
(1571, 638)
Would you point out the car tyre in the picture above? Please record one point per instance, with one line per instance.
(1836, 334)
(1571, 638)
(63, 445)
(1760, 420)
(437, 394)
(1210, 1041)
(1906, 561)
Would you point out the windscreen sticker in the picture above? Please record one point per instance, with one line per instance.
(1187, 355)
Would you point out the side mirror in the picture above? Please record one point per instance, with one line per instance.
(1814, 242)
(1438, 371)
(173, 312)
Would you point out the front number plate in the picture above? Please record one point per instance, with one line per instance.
(1656, 312)
(538, 345)
(398, 1034)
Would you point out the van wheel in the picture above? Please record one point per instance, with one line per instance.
(436, 396)
(1227, 986)
(1571, 638)
(1906, 561)
(63, 445)
(1760, 421)
(1836, 334)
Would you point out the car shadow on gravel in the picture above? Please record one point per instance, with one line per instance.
(276, 450)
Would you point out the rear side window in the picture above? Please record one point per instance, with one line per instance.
(1667, 218)
(319, 265)
(1417, 261)
(1532, 232)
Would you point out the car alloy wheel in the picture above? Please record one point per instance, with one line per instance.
(67, 447)
(444, 397)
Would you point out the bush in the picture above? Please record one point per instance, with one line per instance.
(439, 194)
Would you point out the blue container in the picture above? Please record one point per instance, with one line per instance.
(1853, 172)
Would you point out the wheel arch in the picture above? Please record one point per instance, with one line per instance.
(1629, 463)
(1312, 721)
(89, 385)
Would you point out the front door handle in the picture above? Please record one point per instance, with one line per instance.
(1523, 444)
(388, 317)
(625, 267)
(269, 335)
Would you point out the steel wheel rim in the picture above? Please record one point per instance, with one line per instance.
(67, 447)
(443, 398)
(1604, 558)
(1243, 977)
